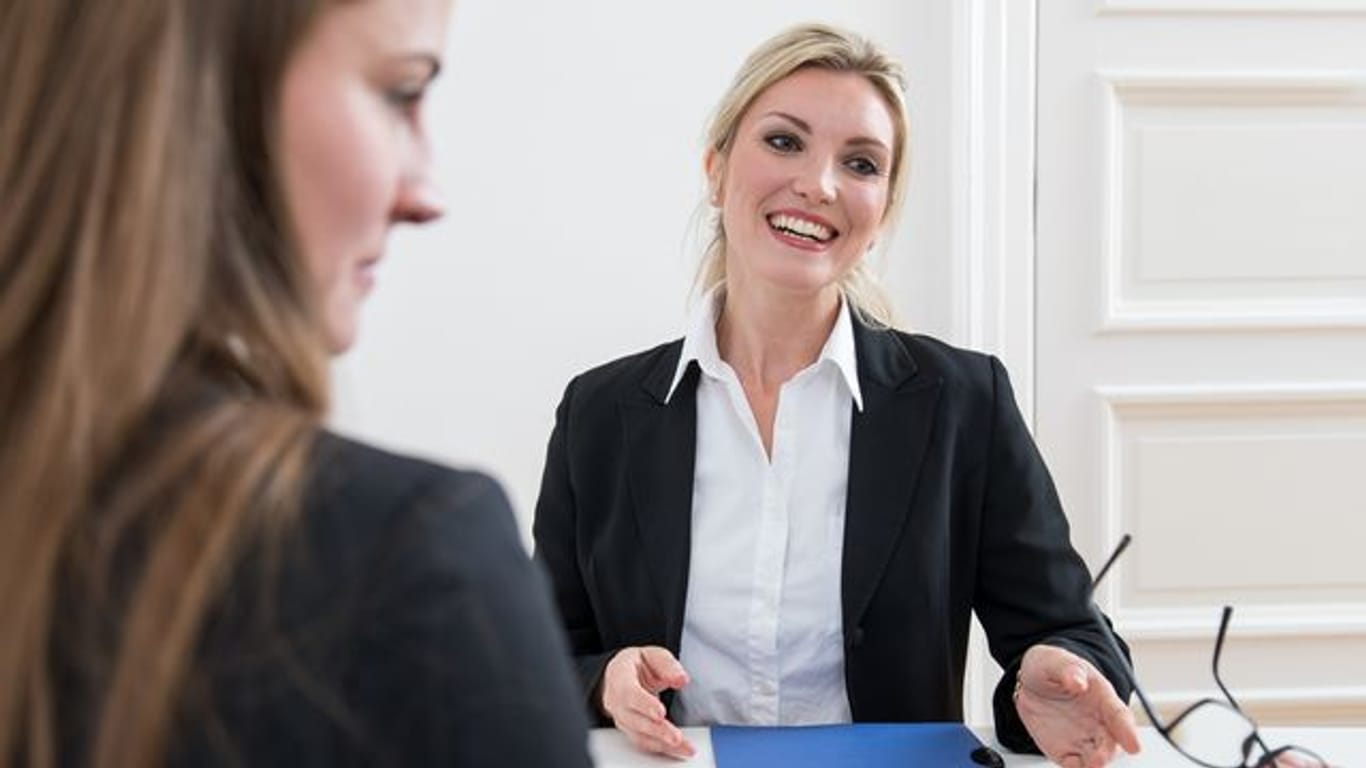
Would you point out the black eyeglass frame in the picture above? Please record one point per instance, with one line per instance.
(1268, 756)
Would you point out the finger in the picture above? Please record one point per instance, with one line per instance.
(1070, 677)
(654, 746)
(1115, 716)
(1292, 760)
(685, 749)
(620, 680)
(661, 669)
(664, 732)
(644, 703)
(1120, 724)
(630, 697)
(1101, 754)
(1070, 760)
(1051, 671)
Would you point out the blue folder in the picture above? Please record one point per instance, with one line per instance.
(861, 745)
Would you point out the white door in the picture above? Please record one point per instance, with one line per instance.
(1201, 333)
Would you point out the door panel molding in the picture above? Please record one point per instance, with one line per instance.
(1325, 706)
(1201, 317)
(1280, 622)
(1176, 106)
(1231, 7)
(993, 222)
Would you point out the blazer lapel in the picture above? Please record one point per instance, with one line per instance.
(661, 442)
(887, 444)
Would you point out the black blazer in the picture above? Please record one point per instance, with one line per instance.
(950, 510)
(402, 623)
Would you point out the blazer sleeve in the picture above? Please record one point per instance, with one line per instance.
(1032, 586)
(464, 664)
(556, 535)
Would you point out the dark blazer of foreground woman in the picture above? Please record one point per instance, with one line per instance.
(401, 623)
(950, 510)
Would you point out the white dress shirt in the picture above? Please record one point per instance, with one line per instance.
(762, 629)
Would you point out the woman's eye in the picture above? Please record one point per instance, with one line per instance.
(863, 166)
(783, 142)
(404, 99)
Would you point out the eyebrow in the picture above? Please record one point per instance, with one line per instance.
(805, 127)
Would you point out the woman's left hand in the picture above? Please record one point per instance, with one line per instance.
(1071, 710)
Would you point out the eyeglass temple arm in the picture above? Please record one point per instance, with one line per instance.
(1104, 569)
(1126, 668)
(1110, 640)
(1218, 651)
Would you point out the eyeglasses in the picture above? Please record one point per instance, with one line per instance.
(1210, 732)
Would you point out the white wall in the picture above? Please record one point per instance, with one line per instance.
(569, 140)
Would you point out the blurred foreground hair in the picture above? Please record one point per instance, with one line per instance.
(162, 373)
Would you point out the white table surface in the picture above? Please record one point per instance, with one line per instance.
(1345, 747)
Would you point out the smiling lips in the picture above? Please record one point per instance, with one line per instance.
(800, 230)
(365, 273)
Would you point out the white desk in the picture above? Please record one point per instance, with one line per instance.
(1345, 747)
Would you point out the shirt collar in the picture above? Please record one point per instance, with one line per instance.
(699, 344)
(839, 349)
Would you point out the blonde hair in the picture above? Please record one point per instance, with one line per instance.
(815, 46)
(162, 367)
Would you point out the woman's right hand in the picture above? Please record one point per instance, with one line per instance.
(630, 696)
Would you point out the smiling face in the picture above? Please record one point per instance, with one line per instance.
(354, 155)
(803, 188)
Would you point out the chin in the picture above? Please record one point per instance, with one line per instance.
(341, 336)
(805, 280)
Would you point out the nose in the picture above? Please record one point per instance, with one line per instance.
(816, 181)
(419, 201)
(419, 198)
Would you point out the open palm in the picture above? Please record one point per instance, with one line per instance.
(1071, 710)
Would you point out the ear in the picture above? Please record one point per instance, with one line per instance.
(714, 165)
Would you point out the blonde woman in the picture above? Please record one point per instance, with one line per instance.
(789, 515)
(192, 572)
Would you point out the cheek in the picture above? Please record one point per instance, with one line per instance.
(338, 177)
(750, 186)
(866, 210)
(751, 178)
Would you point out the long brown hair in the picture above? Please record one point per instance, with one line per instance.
(162, 372)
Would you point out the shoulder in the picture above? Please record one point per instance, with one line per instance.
(347, 473)
(630, 370)
(363, 503)
(624, 377)
(407, 598)
(351, 472)
(386, 553)
(957, 367)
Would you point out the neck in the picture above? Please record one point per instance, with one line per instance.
(767, 337)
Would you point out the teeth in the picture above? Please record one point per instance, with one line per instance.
(800, 227)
